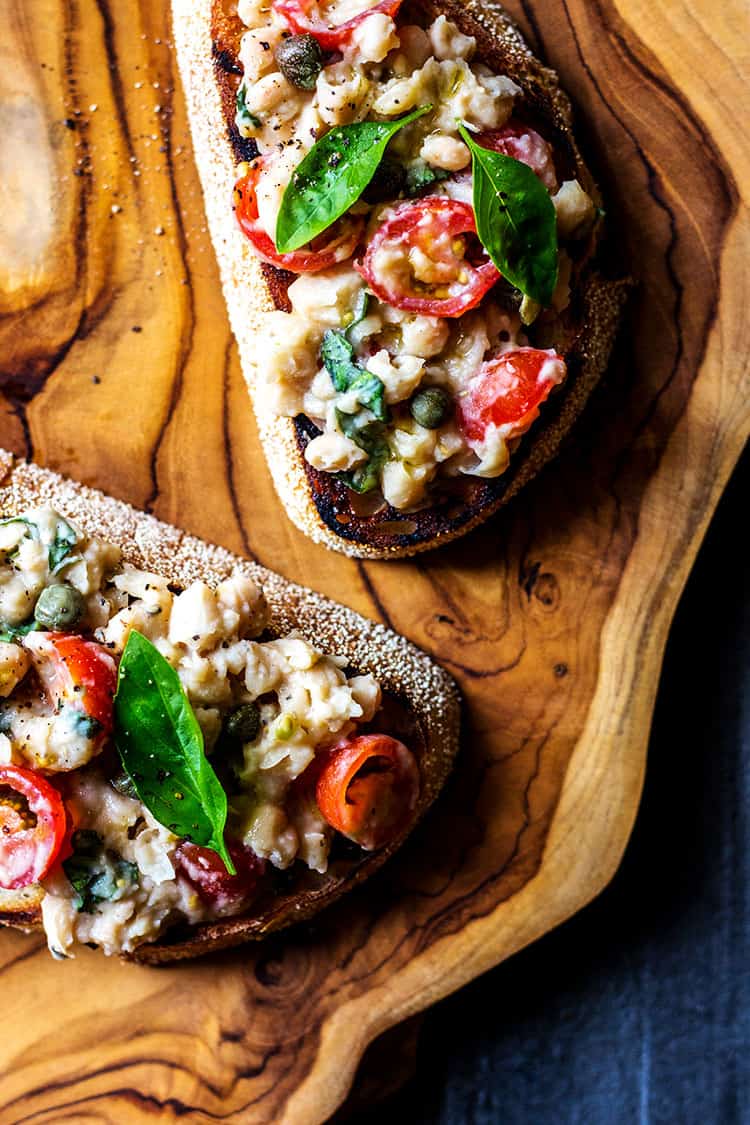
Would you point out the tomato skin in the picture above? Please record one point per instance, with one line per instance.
(372, 808)
(28, 852)
(509, 389)
(76, 672)
(524, 144)
(204, 869)
(428, 225)
(303, 16)
(342, 237)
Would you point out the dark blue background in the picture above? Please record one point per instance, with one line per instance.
(636, 1010)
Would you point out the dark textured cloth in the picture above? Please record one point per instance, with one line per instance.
(636, 1010)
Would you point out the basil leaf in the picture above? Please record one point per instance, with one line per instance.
(244, 119)
(337, 355)
(420, 175)
(61, 546)
(332, 176)
(161, 747)
(516, 220)
(12, 633)
(369, 436)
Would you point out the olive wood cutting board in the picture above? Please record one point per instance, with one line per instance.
(118, 368)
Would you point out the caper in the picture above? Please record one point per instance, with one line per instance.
(300, 60)
(430, 407)
(59, 607)
(242, 724)
(387, 183)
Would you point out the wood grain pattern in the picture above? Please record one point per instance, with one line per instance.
(117, 367)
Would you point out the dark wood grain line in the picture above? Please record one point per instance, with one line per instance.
(187, 329)
(228, 458)
(369, 585)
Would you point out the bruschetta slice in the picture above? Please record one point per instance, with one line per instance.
(409, 244)
(194, 752)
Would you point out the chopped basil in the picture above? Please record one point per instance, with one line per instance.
(515, 219)
(337, 355)
(61, 546)
(244, 119)
(161, 748)
(332, 176)
(64, 540)
(85, 725)
(96, 874)
(420, 175)
(369, 436)
(359, 312)
(13, 633)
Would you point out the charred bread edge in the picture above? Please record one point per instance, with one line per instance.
(311, 498)
(402, 669)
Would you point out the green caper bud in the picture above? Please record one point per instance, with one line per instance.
(59, 607)
(242, 724)
(300, 60)
(387, 183)
(430, 407)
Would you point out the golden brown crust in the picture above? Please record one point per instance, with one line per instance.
(207, 39)
(421, 699)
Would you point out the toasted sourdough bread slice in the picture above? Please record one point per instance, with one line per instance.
(207, 35)
(420, 699)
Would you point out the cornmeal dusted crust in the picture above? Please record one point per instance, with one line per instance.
(423, 699)
(206, 35)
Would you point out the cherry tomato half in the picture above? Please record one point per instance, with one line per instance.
(524, 144)
(509, 389)
(205, 870)
(336, 245)
(417, 259)
(32, 827)
(309, 16)
(368, 788)
(76, 673)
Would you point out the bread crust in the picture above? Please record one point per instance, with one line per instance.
(421, 698)
(206, 35)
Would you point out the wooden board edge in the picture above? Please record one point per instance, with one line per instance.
(582, 853)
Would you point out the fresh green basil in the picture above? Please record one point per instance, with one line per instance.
(369, 436)
(63, 543)
(337, 355)
(96, 875)
(359, 312)
(332, 176)
(13, 633)
(33, 530)
(420, 175)
(515, 220)
(244, 119)
(161, 747)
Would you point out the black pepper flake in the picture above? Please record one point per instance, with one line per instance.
(95, 380)
(70, 123)
(136, 328)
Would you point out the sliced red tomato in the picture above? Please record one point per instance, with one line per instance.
(32, 827)
(524, 144)
(205, 870)
(310, 16)
(418, 258)
(368, 788)
(336, 245)
(76, 673)
(509, 389)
